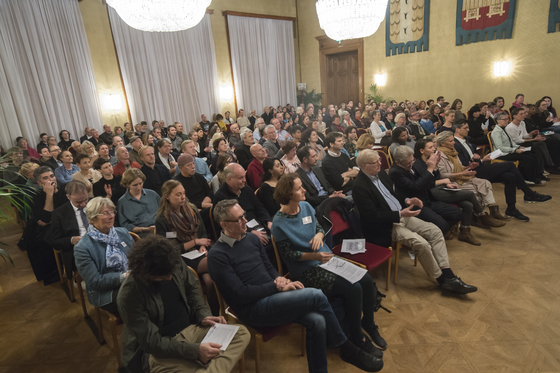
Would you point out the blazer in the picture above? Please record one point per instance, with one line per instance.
(376, 216)
(502, 141)
(311, 193)
(413, 185)
(244, 156)
(91, 263)
(464, 155)
(64, 226)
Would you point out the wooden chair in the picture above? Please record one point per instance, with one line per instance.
(489, 135)
(259, 335)
(63, 277)
(389, 156)
(134, 236)
(398, 246)
(385, 165)
(362, 131)
(373, 257)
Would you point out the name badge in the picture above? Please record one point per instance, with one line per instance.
(123, 244)
(307, 220)
(170, 234)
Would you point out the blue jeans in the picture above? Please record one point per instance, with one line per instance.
(308, 307)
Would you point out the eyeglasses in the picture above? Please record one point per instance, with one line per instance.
(238, 220)
(107, 214)
(376, 162)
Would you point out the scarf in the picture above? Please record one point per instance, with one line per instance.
(457, 166)
(114, 257)
(184, 222)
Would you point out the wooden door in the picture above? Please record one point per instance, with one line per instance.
(343, 77)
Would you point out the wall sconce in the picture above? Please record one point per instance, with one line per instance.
(502, 68)
(226, 92)
(112, 102)
(380, 79)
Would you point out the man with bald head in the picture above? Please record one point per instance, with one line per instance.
(107, 135)
(124, 161)
(87, 135)
(76, 148)
(255, 169)
(116, 142)
(236, 187)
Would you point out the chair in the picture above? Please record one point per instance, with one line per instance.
(373, 257)
(114, 321)
(389, 156)
(212, 223)
(362, 131)
(384, 160)
(63, 277)
(134, 236)
(489, 135)
(259, 335)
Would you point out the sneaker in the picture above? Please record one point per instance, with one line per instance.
(545, 173)
(456, 285)
(518, 215)
(529, 182)
(367, 346)
(542, 177)
(536, 197)
(552, 170)
(540, 182)
(351, 354)
(373, 331)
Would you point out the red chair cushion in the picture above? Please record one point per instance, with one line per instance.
(267, 332)
(372, 258)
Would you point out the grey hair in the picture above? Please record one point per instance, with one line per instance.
(258, 121)
(402, 152)
(244, 133)
(268, 127)
(442, 136)
(366, 156)
(94, 207)
(74, 187)
(501, 115)
(221, 209)
(41, 170)
(229, 171)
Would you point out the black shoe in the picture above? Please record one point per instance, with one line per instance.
(359, 358)
(368, 347)
(553, 170)
(456, 285)
(373, 331)
(536, 197)
(542, 178)
(518, 215)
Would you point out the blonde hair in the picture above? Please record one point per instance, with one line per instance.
(130, 175)
(365, 142)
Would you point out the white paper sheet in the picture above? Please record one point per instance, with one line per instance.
(496, 154)
(356, 246)
(344, 269)
(453, 190)
(192, 255)
(221, 334)
(527, 149)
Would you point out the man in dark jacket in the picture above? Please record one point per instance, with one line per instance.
(337, 166)
(165, 316)
(156, 174)
(243, 152)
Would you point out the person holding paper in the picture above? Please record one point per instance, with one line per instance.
(260, 297)
(299, 239)
(180, 221)
(384, 220)
(500, 172)
(165, 316)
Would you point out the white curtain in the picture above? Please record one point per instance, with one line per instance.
(263, 60)
(168, 75)
(46, 74)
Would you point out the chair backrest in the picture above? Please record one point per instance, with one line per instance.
(134, 236)
(489, 135)
(212, 223)
(277, 254)
(338, 223)
(384, 161)
(220, 301)
(361, 131)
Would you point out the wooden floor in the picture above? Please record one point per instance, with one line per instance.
(512, 324)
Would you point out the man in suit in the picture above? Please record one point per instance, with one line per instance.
(69, 224)
(243, 152)
(385, 220)
(88, 135)
(272, 144)
(317, 188)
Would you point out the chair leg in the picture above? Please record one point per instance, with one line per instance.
(242, 363)
(70, 282)
(100, 337)
(415, 260)
(388, 273)
(303, 344)
(258, 342)
(116, 346)
(397, 247)
(82, 299)
(58, 266)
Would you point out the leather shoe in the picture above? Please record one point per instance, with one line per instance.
(351, 354)
(373, 331)
(517, 214)
(368, 347)
(536, 197)
(456, 285)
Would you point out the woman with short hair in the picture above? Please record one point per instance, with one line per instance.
(457, 106)
(290, 160)
(64, 173)
(109, 185)
(379, 130)
(86, 174)
(366, 141)
(101, 255)
(435, 110)
(477, 134)
(351, 140)
(299, 238)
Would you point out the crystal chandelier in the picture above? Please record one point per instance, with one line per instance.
(350, 19)
(160, 15)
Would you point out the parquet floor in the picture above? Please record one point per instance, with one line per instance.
(510, 325)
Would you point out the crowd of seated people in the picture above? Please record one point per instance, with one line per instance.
(266, 176)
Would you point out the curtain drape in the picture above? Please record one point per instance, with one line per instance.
(46, 74)
(263, 61)
(170, 76)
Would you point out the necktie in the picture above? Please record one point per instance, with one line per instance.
(84, 218)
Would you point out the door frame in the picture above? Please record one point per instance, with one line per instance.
(327, 46)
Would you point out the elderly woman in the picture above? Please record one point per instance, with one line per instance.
(28, 152)
(89, 149)
(101, 254)
(86, 174)
(64, 173)
(379, 130)
(138, 207)
(27, 170)
(290, 160)
(273, 171)
(299, 239)
(450, 167)
(179, 220)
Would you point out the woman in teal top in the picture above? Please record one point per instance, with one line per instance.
(299, 239)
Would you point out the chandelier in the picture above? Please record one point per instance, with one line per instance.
(160, 15)
(350, 19)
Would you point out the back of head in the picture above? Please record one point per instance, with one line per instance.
(153, 256)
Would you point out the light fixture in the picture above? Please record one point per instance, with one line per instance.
(160, 15)
(226, 92)
(380, 79)
(112, 102)
(501, 68)
(350, 19)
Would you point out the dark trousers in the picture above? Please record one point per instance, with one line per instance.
(507, 173)
(464, 198)
(528, 164)
(441, 214)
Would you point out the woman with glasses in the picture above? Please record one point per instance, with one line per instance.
(101, 255)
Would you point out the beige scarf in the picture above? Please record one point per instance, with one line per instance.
(457, 166)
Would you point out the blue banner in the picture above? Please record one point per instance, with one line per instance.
(483, 20)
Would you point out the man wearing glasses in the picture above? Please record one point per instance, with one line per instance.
(260, 297)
